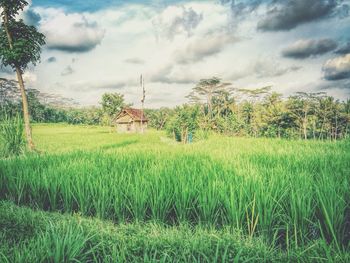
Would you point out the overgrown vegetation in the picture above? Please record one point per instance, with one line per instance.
(12, 140)
(292, 195)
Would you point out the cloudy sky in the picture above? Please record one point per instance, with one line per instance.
(95, 47)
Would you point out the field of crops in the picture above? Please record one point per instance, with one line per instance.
(146, 198)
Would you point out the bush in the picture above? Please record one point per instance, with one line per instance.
(184, 123)
(11, 136)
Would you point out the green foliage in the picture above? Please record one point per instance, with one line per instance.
(20, 44)
(158, 118)
(87, 115)
(12, 141)
(261, 113)
(12, 8)
(112, 103)
(40, 111)
(183, 122)
(206, 90)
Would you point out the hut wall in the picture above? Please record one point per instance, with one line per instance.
(138, 127)
(126, 124)
(122, 127)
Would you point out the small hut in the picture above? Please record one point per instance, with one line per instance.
(131, 120)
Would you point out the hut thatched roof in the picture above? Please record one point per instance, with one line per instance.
(135, 114)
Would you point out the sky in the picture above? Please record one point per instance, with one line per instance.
(94, 47)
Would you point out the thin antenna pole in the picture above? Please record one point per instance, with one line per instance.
(142, 83)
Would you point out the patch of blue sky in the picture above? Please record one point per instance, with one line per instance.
(95, 5)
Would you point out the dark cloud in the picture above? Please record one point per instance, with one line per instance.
(241, 8)
(134, 61)
(344, 49)
(343, 84)
(51, 59)
(288, 14)
(67, 71)
(305, 48)
(337, 68)
(84, 47)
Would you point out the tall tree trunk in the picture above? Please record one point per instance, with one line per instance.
(22, 89)
(209, 100)
(26, 118)
(336, 127)
(305, 126)
(322, 127)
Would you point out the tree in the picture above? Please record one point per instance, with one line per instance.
(255, 94)
(250, 108)
(223, 104)
(158, 118)
(302, 106)
(206, 90)
(20, 45)
(184, 122)
(8, 98)
(273, 114)
(112, 103)
(37, 109)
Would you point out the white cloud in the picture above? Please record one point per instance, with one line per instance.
(67, 71)
(30, 78)
(176, 20)
(263, 67)
(202, 47)
(69, 32)
(337, 68)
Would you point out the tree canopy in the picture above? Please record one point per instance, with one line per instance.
(112, 103)
(26, 45)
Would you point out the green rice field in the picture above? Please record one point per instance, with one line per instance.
(92, 195)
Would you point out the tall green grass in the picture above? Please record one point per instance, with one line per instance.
(289, 193)
(12, 140)
(34, 236)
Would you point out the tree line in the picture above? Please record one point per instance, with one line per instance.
(50, 108)
(213, 106)
(216, 106)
